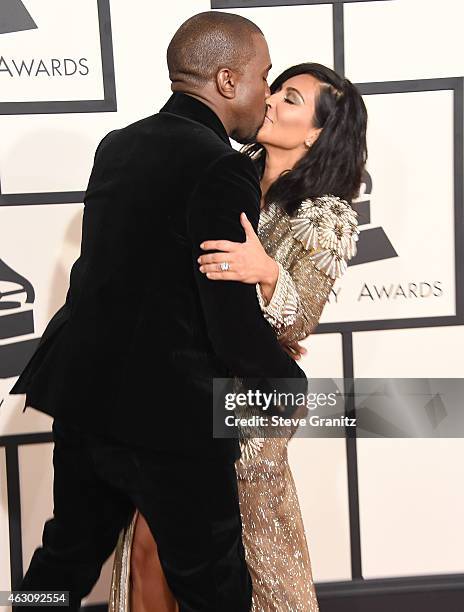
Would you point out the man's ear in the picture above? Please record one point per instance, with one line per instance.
(226, 81)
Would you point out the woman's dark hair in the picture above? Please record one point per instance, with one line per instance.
(335, 162)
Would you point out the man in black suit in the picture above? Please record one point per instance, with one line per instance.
(126, 366)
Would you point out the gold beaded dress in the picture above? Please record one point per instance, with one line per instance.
(312, 248)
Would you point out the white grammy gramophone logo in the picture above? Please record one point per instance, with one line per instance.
(16, 321)
(14, 17)
(374, 243)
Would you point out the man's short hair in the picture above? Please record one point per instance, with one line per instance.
(207, 42)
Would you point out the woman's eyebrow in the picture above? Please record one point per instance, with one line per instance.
(296, 91)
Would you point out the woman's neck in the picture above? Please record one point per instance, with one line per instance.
(277, 162)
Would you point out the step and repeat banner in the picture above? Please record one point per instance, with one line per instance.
(72, 71)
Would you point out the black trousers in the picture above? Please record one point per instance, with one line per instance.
(190, 505)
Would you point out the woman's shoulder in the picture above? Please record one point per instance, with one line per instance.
(327, 227)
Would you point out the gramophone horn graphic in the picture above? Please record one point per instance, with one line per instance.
(14, 17)
(16, 320)
(374, 243)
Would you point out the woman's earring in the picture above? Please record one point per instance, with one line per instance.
(308, 143)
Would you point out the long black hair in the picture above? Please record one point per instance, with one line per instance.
(335, 162)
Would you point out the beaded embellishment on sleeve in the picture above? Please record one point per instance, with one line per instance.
(283, 307)
(328, 226)
(250, 448)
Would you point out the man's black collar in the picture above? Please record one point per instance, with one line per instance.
(187, 106)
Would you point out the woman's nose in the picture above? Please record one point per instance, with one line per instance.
(270, 101)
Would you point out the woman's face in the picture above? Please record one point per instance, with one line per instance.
(289, 119)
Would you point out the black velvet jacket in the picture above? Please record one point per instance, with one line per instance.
(142, 333)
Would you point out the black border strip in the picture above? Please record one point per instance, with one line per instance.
(42, 437)
(46, 197)
(109, 102)
(458, 108)
(405, 594)
(351, 458)
(107, 55)
(410, 86)
(398, 584)
(239, 4)
(383, 324)
(338, 24)
(14, 513)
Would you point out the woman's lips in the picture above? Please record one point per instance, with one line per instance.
(266, 117)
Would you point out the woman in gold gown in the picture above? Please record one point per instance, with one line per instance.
(310, 153)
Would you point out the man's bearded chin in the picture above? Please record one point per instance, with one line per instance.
(244, 138)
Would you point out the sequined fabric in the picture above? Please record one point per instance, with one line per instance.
(311, 249)
(119, 599)
(273, 533)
